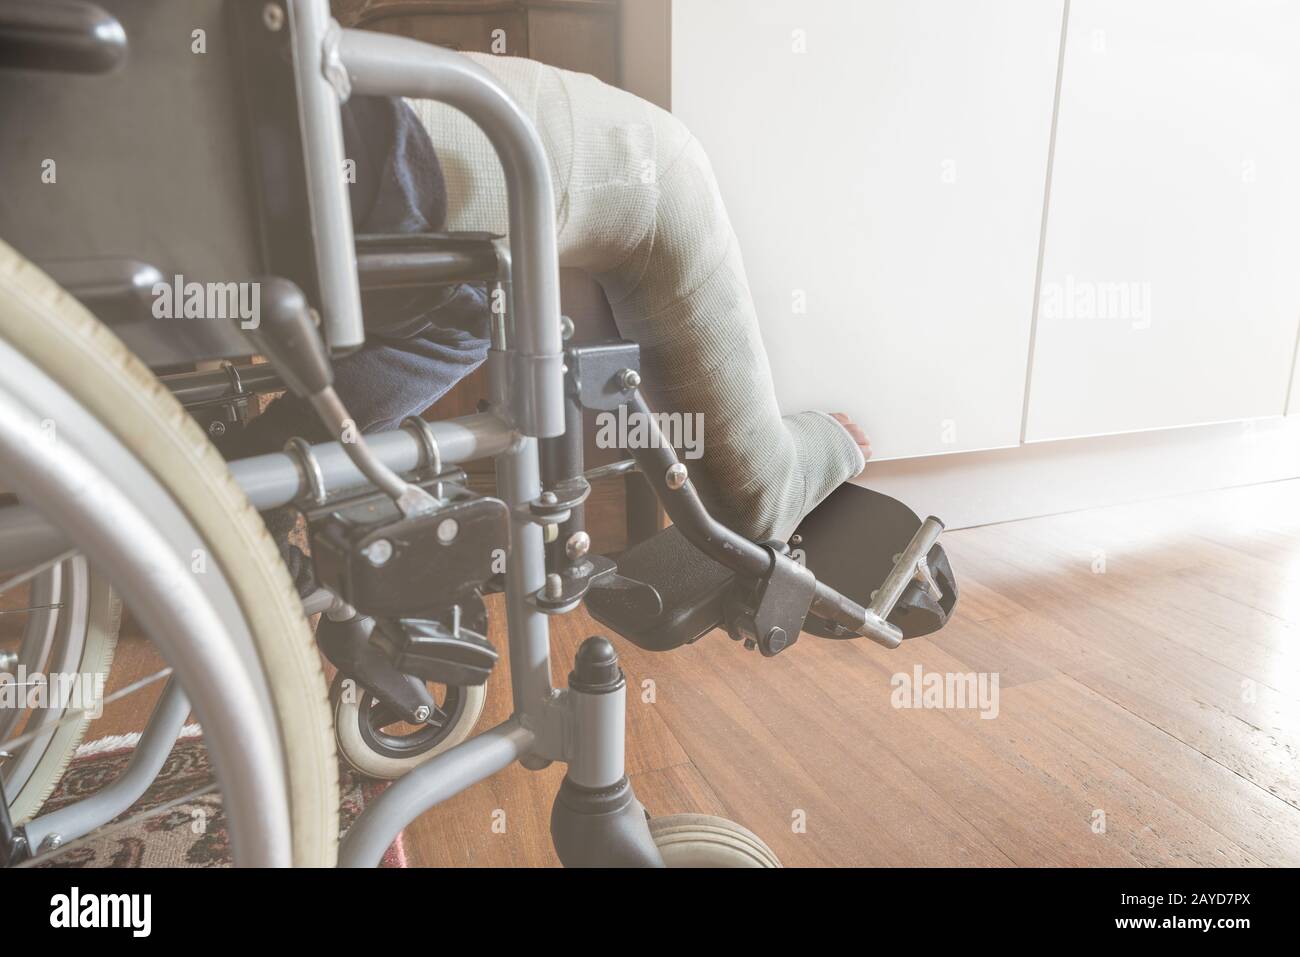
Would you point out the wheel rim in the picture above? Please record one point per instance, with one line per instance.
(58, 633)
(372, 718)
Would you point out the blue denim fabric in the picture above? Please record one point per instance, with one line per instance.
(391, 378)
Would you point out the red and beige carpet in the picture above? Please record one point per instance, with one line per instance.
(172, 825)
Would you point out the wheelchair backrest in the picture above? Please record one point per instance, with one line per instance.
(136, 170)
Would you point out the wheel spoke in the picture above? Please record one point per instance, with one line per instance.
(23, 611)
(31, 573)
(18, 740)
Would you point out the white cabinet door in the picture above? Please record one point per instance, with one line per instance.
(883, 162)
(1171, 275)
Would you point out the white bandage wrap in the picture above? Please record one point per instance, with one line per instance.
(638, 208)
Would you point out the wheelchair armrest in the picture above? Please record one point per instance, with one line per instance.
(416, 260)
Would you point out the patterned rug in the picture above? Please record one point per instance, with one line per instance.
(191, 832)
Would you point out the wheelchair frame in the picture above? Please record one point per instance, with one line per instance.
(530, 432)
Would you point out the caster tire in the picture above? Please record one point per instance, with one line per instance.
(361, 754)
(702, 840)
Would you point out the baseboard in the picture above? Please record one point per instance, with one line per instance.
(978, 488)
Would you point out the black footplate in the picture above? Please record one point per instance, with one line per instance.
(850, 541)
(667, 593)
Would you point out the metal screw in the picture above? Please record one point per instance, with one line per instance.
(273, 17)
(676, 475)
(378, 552)
(422, 713)
(216, 428)
(796, 539)
(629, 378)
(554, 586)
(52, 842)
(548, 498)
(577, 545)
(448, 530)
(566, 327)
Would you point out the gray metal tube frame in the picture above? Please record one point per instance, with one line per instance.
(315, 38)
(80, 818)
(277, 479)
(526, 377)
(429, 784)
(386, 65)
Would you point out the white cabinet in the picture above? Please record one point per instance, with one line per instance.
(1171, 274)
(884, 164)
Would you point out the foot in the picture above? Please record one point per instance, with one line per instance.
(858, 436)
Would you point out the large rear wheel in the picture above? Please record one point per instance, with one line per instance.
(92, 442)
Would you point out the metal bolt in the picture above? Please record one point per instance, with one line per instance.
(577, 545)
(448, 529)
(422, 713)
(378, 552)
(216, 428)
(796, 539)
(676, 476)
(52, 842)
(776, 640)
(548, 498)
(273, 17)
(566, 327)
(629, 378)
(554, 586)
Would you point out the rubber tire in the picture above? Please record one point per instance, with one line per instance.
(702, 840)
(364, 760)
(103, 616)
(69, 344)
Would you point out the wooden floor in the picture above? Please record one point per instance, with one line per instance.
(1148, 711)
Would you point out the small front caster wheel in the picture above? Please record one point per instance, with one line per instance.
(701, 840)
(382, 745)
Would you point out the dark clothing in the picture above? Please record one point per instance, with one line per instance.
(418, 343)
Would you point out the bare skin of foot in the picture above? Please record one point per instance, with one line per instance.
(858, 436)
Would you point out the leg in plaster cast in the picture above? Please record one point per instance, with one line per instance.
(638, 208)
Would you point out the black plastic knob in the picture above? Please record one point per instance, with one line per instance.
(595, 667)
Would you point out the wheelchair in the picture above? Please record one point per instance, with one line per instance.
(133, 186)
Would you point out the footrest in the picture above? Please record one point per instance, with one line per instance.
(667, 593)
(850, 541)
